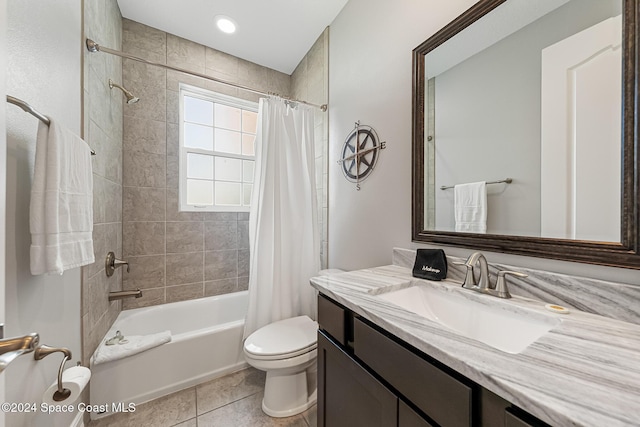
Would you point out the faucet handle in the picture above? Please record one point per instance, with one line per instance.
(501, 285)
(469, 278)
(111, 263)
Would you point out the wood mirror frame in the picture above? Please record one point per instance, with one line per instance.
(624, 254)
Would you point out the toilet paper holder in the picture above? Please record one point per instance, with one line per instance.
(43, 351)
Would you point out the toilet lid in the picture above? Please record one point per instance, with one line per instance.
(288, 337)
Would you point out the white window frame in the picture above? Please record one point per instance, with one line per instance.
(218, 98)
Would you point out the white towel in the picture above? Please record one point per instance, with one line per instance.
(470, 206)
(61, 213)
(136, 344)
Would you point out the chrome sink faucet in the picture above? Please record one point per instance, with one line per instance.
(499, 289)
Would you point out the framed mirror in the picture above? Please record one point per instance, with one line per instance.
(537, 99)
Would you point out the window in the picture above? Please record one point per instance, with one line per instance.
(217, 151)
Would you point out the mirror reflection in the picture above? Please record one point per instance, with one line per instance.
(531, 93)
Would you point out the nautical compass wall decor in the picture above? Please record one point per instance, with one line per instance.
(360, 153)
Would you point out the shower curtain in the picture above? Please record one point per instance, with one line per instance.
(283, 227)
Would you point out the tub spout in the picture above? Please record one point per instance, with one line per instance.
(114, 296)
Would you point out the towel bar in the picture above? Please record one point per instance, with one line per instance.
(502, 181)
(29, 109)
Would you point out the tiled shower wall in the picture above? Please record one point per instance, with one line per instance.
(310, 82)
(103, 132)
(177, 256)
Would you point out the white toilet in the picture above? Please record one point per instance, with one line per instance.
(286, 350)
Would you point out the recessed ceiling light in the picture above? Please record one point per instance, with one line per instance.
(225, 24)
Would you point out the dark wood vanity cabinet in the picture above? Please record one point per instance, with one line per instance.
(369, 378)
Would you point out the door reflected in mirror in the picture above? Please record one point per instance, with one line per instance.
(532, 92)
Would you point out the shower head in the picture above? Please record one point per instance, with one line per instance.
(131, 99)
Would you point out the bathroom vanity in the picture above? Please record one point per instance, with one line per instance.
(382, 365)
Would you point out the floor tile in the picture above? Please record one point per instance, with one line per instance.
(165, 411)
(247, 412)
(311, 416)
(228, 389)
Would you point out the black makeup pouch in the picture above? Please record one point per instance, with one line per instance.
(431, 264)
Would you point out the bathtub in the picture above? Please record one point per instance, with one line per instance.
(206, 342)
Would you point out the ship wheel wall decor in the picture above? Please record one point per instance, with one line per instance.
(360, 153)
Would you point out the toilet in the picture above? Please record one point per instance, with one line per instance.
(286, 351)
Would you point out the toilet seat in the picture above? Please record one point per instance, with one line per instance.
(283, 339)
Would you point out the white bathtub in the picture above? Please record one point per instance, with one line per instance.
(206, 342)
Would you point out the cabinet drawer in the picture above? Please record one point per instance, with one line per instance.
(517, 418)
(440, 396)
(332, 319)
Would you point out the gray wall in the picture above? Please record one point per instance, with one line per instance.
(370, 80)
(496, 95)
(43, 68)
(177, 256)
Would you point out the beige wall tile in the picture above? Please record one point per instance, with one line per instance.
(221, 235)
(220, 287)
(142, 74)
(243, 283)
(185, 237)
(243, 262)
(278, 82)
(185, 268)
(221, 62)
(144, 170)
(147, 136)
(143, 238)
(173, 173)
(144, 204)
(174, 78)
(243, 234)
(251, 74)
(149, 297)
(185, 54)
(173, 209)
(144, 272)
(99, 100)
(173, 107)
(152, 104)
(220, 265)
(144, 41)
(173, 139)
(98, 289)
(185, 292)
(221, 216)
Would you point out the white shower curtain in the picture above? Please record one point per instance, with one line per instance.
(283, 227)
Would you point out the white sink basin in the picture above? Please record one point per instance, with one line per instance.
(500, 324)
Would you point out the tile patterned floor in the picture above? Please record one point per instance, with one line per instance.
(230, 401)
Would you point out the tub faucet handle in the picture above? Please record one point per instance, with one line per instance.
(111, 263)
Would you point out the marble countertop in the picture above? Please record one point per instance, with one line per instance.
(584, 372)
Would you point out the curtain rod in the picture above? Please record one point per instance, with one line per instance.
(95, 47)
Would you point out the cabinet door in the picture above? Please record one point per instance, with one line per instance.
(407, 417)
(348, 396)
(443, 398)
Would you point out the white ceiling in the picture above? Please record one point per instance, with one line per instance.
(273, 33)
